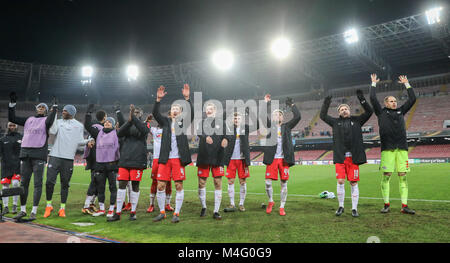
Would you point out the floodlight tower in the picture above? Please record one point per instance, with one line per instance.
(87, 72)
(86, 75)
(132, 72)
(438, 20)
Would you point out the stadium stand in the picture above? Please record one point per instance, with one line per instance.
(308, 155)
(430, 151)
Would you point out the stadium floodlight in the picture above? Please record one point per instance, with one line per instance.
(433, 15)
(351, 36)
(87, 71)
(281, 48)
(132, 72)
(223, 59)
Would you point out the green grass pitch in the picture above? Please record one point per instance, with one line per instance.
(308, 219)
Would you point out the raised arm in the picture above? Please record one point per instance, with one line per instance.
(373, 96)
(51, 117)
(268, 101)
(156, 111)
(297, 117)
(12, 111)
(368, 111)
(324, 112)
(411, 95)
(88, 122)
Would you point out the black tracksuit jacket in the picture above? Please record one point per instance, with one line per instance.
(391, 123)
(347, 134)
(182, 142)
(288, 147)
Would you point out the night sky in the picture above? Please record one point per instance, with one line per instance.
(112, 33)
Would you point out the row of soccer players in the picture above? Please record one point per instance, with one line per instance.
(124, 150)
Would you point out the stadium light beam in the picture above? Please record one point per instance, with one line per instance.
(281, 48)
(433, 15)
(132, 72)
(351, 36)
(223, 59)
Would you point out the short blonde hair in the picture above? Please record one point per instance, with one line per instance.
(343, 105)
(211, 104)
(387, 98)
(176, 105)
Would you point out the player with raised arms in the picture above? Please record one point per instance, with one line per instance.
(394, 147)
(157, 134)
(174, 154)
(279, 156)
(33, 151)
(348, 147)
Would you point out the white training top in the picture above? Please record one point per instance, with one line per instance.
(157, 135)
(279, 152)
(174, 152)
(237, 153)
(69, 135)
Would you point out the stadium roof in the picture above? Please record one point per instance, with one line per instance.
(406, 45)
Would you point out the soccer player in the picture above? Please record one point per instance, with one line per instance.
(9, 153)
(157, 133)
(174, 154)
(394, 147)
(68, 136)
(33, 151)
(133, 160)
(106, 159)
(89, 154)
(237, 159)
(210, 158)
(348, 147)
(280, 156)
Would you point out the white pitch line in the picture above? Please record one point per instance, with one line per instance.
(299, 195)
